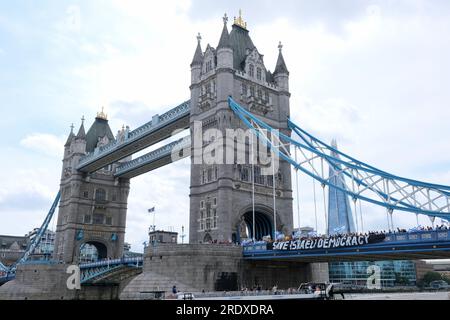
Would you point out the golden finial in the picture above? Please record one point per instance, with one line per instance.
(239, 21)
(102, 115)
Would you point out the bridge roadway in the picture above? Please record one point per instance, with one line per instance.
(159, 128)
(398, 246)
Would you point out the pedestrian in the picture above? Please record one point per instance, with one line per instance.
(174, 289)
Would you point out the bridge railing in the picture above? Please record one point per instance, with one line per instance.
(157, 122)
(110, 262)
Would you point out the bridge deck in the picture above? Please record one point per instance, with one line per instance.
(412, 246)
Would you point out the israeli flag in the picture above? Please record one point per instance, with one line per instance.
(279, 235)
(339, 229)
(312, 234)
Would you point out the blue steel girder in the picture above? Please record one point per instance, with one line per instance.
(37, 238)
(365, 182)
(169, 153)
(94, 270)
(154, 131)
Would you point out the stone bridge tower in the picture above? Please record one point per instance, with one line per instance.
(221, 194)
(92, 210)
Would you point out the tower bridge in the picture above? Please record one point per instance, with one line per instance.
(231, 88)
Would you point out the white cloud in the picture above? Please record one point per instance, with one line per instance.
(44, 143)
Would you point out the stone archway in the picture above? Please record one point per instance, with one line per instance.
(91, 251)
(263, 222)
(207, 238)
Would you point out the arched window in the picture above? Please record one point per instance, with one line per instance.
(100, 195)
(251, 70)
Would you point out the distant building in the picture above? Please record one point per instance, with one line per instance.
(160, 236)
(46, 245)
(127, 253)
(12, 248)
(393, 272)
(441, 266)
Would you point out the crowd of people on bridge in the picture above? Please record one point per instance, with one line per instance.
(315, 236)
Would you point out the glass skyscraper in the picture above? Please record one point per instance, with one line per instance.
(340, 220)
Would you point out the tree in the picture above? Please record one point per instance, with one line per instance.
(431, 276)
(446, 279)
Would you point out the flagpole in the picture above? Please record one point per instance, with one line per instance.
(154, 226)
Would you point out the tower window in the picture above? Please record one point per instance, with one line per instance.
(244, 89)
(259, 178)
(244, 174)
(204, 177)
(259, 93)
(100, 195)
(208, 65)
(87, 218)
(214, 225)
(258, 73)
(251, 71)
(252, 91)
(209, 174)
(98, 218)
(86, 194)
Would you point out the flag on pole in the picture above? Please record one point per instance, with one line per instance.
(151, 209)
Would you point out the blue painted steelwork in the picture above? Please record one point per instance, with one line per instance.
(92, 270)
(434, 242)
(3, 268)
(155, 124)
(367, 183)
(154, 156)
(11, 271)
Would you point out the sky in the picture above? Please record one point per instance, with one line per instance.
(372, 74)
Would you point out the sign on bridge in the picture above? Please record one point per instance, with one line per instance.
(328, 242)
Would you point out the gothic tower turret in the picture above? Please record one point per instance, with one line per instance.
(92, 210)
(221, 187)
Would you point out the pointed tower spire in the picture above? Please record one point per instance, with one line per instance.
(224, 41)
(334, 143)
(81, 132)
(70, 137)
(198, 56)
(281, 65)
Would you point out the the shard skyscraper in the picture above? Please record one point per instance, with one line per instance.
(340, 218)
